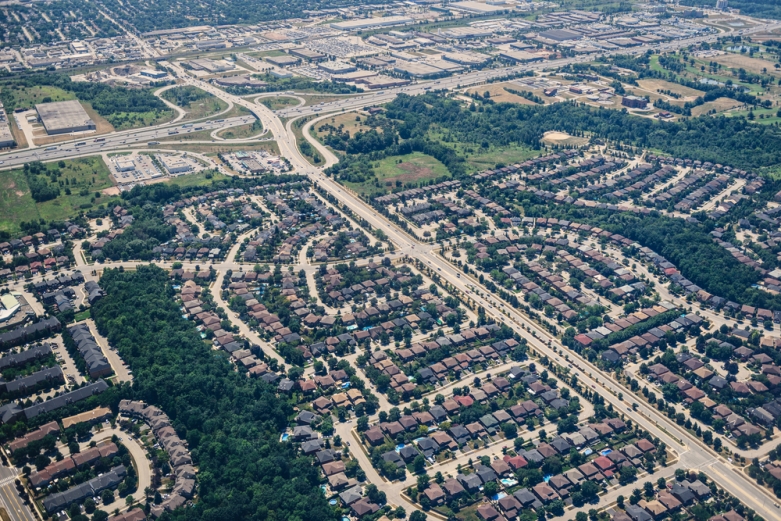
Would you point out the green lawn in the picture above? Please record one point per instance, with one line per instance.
(483, 159)
(85, 178)
(400, 170)
(198, 179)
(82, 315)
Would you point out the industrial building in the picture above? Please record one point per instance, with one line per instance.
(336, 67)
(211, 66)
(307, 54)
(282, 61)
(417, 69)
(62, 117)
(634, 102)
(154, 74)
(371, 23)
(6, 137)
(239, 81)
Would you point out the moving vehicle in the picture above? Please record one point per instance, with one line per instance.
(153, 143)
(50, 148)
(98, 140)
(81, 144)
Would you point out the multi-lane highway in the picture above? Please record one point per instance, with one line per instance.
(110, 142)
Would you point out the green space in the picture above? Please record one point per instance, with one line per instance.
(395, 171)
(81, 315)
(303, 145)
(31, 96)
(196, 102)
(242, 131)
(199, 179)
(280, 102)
(480, 158)
(52, 192)
(128, 120)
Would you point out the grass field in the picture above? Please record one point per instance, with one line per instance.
(499, 94)
(655, 84)
(243, 131)
(744, 61)
(205, 105)
(347, 121)
(410, 168)
(40, 94)
(86, 177)
(199, 179)
(279, 102)
(719, 104)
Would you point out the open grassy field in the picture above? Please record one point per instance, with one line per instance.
(654, 85)
(743, 61)
(499, 94)
(719, 104)
(29, 97)
(347, 121)
(242, 132)
(400, 170)
(279, 102)
(199, 179)
(196, 102)
(86, 177)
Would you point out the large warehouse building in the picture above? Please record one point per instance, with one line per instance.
(62, 117)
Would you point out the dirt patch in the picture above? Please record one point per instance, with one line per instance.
(415, 170)
(111, 191)
(562, 138)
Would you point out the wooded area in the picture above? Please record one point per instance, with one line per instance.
(231, 422)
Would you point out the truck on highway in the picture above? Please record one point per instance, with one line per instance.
(198, 128)
(187, 125)
(98, 140)
(50, 148)
(172, 132)
(153, 143)
(81, 144)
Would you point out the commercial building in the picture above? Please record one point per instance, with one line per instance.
(125, 164)
(175, 164)
(371, 23)
(62, 117)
